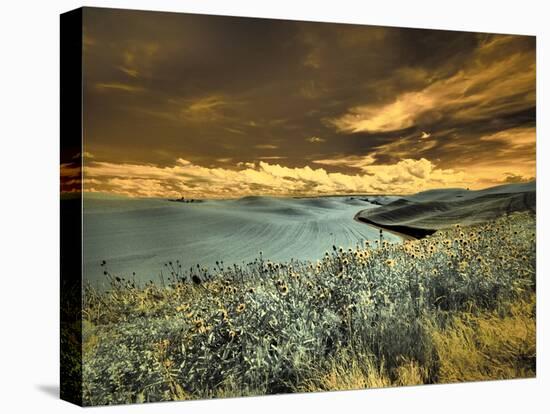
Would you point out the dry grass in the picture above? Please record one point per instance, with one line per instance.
(488, 346)
(472, 347)
(348, 372)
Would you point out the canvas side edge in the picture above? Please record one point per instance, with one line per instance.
(71, 42)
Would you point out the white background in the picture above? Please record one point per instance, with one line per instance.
(29, 163)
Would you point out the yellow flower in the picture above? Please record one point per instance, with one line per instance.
(223, 314)
(182, 308)
(284, 289)
(241, 308)
(390, 262)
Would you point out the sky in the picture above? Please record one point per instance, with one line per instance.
(217, 107)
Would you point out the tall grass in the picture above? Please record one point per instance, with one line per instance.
(452, 307)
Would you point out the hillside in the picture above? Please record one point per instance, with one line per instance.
(425, 212)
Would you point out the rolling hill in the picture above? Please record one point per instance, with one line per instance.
(428, 211)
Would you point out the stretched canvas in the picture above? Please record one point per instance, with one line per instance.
(258, 206)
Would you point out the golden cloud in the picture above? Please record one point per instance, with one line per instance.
(118, 86)
(266, 146)
(477, 92)
(514, 138)
(315, 140)
(184, 177)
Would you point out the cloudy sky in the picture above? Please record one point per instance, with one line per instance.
(209, 106)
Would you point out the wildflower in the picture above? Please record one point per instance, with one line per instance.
(241, 308)
(162, 345)
(390, 262)
(223, 314)
(284, 290)
(182, 308)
